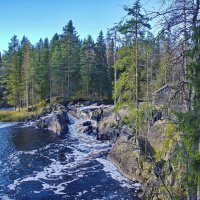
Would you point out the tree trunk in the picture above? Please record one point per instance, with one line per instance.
(68, 83)
(136, 78)
(32, 95)
(27, 99)
(115, 70)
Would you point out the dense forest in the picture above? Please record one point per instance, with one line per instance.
(127, 65)
(65, 67)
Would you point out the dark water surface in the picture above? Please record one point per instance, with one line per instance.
(37, 164)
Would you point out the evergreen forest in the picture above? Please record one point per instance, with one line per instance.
(140, 55)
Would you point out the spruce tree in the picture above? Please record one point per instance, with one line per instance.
(88, 65)
(101, 66)
(56, 69)
(110, 53)
(71, 59)
(26, 58)
(14, 75)
(0, 60)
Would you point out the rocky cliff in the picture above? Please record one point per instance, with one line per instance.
(148, 159)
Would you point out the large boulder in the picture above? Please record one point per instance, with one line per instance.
(53, 117)
(58, 122)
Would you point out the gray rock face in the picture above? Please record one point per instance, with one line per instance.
(58, 123)
(108, 132)
(99, 121)
(87, 123)
(53, 117)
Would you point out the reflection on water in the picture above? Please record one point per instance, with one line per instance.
(27, 138)
(13, 136)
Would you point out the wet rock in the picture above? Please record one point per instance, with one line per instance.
(87, 103)
(60, 107)
(87, 123)
(41, 124)
(62, 157)
(58, 123)
(52, 117)
(88, 130)
(45, 111)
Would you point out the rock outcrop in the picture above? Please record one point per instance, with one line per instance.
(54, 118)
(136, 157)
(58, 122)
(148, 160)
(97, 120)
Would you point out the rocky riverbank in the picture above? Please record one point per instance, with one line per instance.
(134, 157)
(54, 118)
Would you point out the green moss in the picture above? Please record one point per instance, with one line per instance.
(147, 166)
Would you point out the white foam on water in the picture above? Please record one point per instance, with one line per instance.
(7, 124)
(83, 108)
(137, 186)
(57, 189)
(33, 152)
(86, 142)
(29, 124)
(84, 149)
(52, 172)
(81, 193)
(114, 173)
(5, 197)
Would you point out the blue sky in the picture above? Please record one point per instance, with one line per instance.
(43, 18)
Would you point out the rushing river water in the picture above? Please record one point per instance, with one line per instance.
(39, 165)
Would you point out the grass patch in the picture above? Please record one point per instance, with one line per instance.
(14, 116)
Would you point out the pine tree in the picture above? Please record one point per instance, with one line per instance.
(128, 88)
(42, 66)
(134, 30)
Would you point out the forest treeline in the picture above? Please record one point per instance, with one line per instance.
(65, 66)
(128, 64)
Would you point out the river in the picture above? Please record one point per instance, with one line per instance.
(40, 165)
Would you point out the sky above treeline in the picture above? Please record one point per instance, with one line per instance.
(43, 18)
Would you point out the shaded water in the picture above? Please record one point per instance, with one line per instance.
(37, 164)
